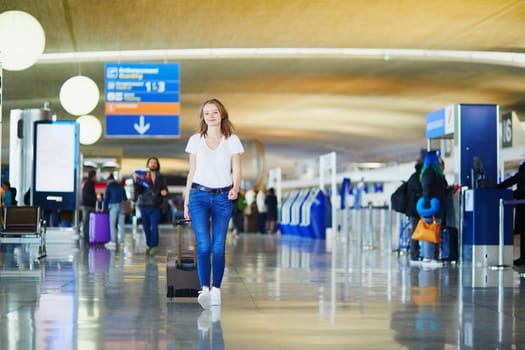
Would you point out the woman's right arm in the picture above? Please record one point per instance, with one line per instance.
(189, 181)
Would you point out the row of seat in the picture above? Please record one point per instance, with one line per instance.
(24, 224)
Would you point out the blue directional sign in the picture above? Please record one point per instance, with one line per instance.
(142, 100)
(435, 126)
(149, 125)
(441, 122)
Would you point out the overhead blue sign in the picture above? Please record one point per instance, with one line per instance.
(142, 100)
(435, 124)
(149, 125)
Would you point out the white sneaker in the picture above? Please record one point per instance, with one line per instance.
(110, 245)
(204, 298)
(215, 296)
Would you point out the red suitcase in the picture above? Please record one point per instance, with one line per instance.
(182, 279)
(99, 228)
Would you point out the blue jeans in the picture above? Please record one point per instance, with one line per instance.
(430, 250)
(261, 223)
(206, 208)
(116, 218)
(150, 223)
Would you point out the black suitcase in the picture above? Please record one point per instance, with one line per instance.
(449, 244)
(182, 279)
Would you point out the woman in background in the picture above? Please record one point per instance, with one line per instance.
(433, 185)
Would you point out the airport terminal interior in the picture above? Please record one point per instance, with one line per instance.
(333, 101)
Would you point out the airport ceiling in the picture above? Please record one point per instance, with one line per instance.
(365, 106)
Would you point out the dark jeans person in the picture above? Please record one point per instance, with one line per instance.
(85, 221)
(150, 223)
(238, 221)
(261, 224)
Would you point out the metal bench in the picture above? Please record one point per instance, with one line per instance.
(24, 224)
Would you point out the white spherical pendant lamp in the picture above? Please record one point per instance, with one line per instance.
(22, 40)
(79, 95)
(90, 129)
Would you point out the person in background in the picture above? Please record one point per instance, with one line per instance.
(250, 212)
(261, 209)
(414, 193)
(8, 195)
(518, 179)
(89, 200)
(239, 205)
(113, 195)
(14, 192)
(176, 206)
(271, 213)
(99, 204)
(27, 197)
(213, 182)
(433, 185)
(449, 215)
(151, 189)
(250, 200)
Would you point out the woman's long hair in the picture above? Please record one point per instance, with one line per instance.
(431, 160)
(226, 125)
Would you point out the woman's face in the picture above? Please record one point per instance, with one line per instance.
(211, 115)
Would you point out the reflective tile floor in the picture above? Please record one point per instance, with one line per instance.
(279, 292)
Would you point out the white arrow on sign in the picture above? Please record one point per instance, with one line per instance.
(141, 127)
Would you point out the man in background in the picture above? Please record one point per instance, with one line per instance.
(89, 199)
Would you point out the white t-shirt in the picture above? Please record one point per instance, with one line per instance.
(260, 200)
(213, 168)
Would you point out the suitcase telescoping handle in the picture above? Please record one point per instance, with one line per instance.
(180, 223)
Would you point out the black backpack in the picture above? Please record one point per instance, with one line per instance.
(399, 198)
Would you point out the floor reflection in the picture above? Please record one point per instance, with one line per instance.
(279, 292)
(430, 318)
(210, 330)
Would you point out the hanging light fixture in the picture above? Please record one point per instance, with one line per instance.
(79, 95)
(90, 129)
(22, 40)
